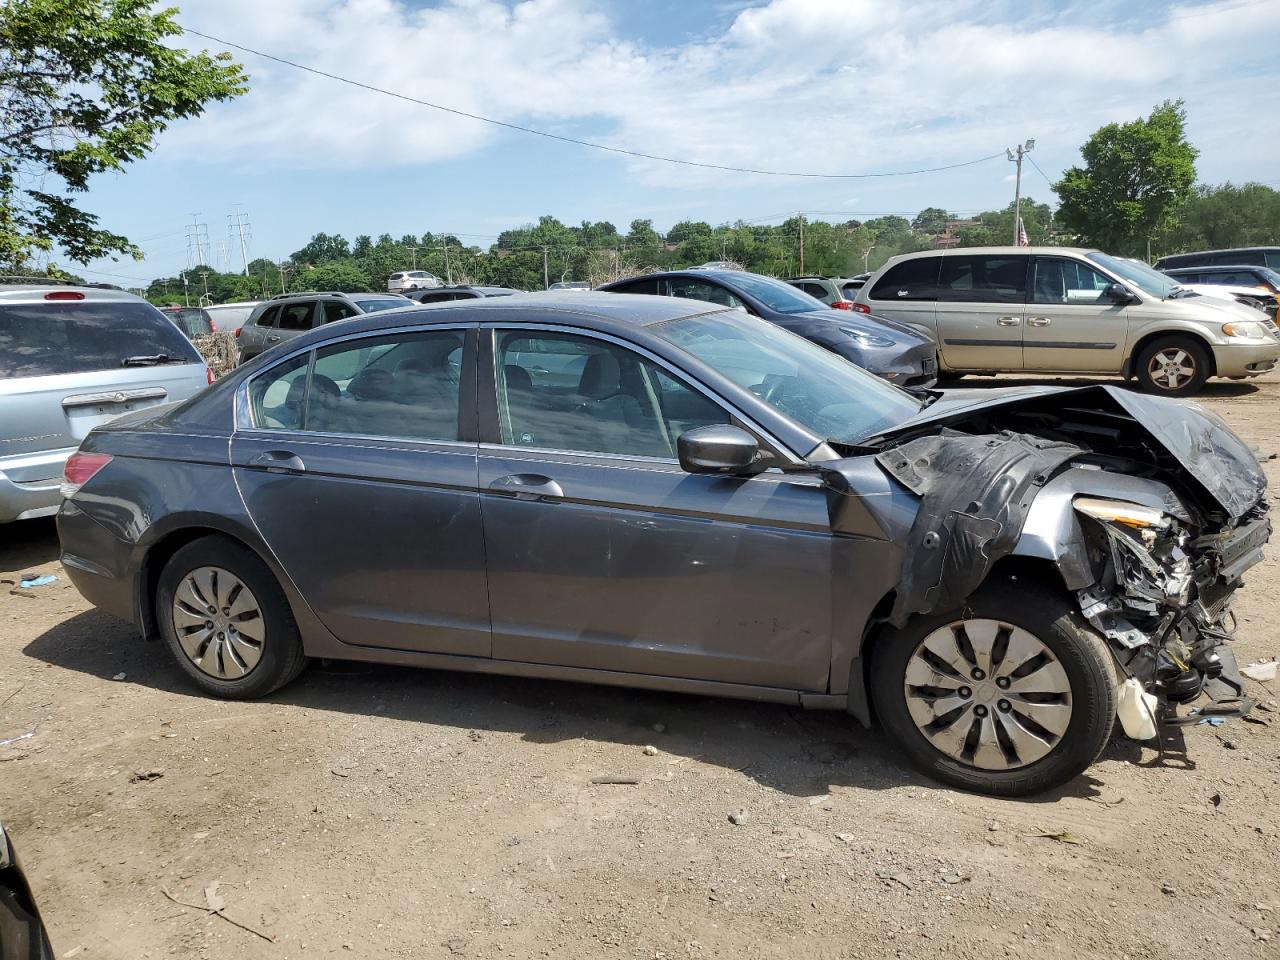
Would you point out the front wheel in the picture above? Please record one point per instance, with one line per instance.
(1013, 696)
(1172, 366)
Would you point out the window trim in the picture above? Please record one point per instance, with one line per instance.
(467, 387)
(490, 431)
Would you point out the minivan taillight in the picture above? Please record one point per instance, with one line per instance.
(238, 329)
(80, 469)
(208, 374)
(861, 308)
(842, 305)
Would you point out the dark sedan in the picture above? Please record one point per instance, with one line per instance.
(652, 492)
(898, 353)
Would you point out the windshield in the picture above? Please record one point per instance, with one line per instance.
(1143, 277)
(774, 294)
(822, 392)
(373, 306)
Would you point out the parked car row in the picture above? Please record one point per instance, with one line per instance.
(281, 318)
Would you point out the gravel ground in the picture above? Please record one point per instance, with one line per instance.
(384, 812)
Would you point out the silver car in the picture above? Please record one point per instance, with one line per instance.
(1061, 310)
(288, 315)
(72, 358)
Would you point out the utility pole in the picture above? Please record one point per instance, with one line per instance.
(1016, 156)
(866, 258)
(414, 251)
(723, 240)
(243, 230)
(448, 271)
(546, 279)
(801, 244)
(186, 299)
(204, 279)
(280, 267)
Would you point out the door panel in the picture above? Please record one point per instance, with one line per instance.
(382, 535)
(604, 554)
(1071, 325)
(981, 310)
(643, 568)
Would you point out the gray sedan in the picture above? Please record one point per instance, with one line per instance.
(653, 492)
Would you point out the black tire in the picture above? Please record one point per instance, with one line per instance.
(949, 376)
(1050, 616)
(282, 658)
(1196, 355)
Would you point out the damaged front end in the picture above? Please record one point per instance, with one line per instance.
(1162, 598)
(1151, 510)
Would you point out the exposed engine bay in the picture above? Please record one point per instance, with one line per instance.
(1154, 570)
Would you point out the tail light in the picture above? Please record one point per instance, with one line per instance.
(208, 374)
(861, 308)
(238, 329)
(80, 469)
(64, 295)
(842, 305)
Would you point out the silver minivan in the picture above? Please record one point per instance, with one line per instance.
(1066, 310)
(72, 358)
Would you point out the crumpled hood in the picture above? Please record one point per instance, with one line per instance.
(869, 324)
(1219, 462)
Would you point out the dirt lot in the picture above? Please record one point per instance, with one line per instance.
(378, 812)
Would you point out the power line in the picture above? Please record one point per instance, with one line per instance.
(574, 140)
(1041, 172)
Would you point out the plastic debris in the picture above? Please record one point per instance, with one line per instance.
(1262, 672)
(651, 751)
(36, 580)
(212, 898)
(23, 736)
(118, 676)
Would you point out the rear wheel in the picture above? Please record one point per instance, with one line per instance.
(1172, 366)
(226, 621)
(1003, 703)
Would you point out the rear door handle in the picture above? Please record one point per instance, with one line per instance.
(527, 486)
(279, 461)
(1039, 321)
(1008, 321)
(272, 339)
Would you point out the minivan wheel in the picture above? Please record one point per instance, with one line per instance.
(1172, 366)
(226, 621)
(1012, 696)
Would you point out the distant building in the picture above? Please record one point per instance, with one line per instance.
(949, 237)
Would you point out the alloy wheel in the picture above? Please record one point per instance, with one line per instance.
(1171, 368)
(988, 694)
(219, 623)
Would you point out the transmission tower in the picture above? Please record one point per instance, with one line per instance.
(238, 224)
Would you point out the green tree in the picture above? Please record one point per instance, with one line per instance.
(1226, 216)
(1136, 177)
(931, 220)
(323, 248)
(345, 277)
(88, 85)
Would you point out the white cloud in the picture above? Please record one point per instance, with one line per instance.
(809, 85)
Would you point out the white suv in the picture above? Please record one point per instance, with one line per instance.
(1060, 310)
(412, 280)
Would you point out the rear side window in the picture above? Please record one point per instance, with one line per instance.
(1272, 258)
(814, 290)
(337, 310)
(910, 280)
(295, 316)
(983, 279)
(42, 339)
(268, 319)
(650, 285)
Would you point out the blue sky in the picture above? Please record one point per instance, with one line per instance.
(842, 86)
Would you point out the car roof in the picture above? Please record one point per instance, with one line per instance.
(989, 251)
(1217, 267)
(1203, 253)
(31, 292)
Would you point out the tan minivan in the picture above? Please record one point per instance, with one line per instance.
(1066, 310)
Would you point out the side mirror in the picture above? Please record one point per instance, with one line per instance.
(1119, 293)
(718, 448)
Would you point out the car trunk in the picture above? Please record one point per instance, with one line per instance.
(50, 413)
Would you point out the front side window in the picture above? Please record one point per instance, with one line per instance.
(295, 316)
(701, 290)
(337, 310)
(909, 280)
(268, 318)
(775, 294)
(1067, 281)
(565, 392)
(1136, 272)
(983, 279)
(1231, 279)
(404, 386)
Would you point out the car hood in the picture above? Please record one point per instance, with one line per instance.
(868, 324)
(1217, 461)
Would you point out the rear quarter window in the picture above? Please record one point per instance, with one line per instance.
(909, 280)
(44, 339)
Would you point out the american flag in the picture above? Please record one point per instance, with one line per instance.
(1022, 234)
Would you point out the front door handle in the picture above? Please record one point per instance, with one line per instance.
(272, 339)
(527, 486)
(1039, 321)
(1008, 321)
(279, 461)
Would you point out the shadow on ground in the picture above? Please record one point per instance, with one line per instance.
(27, 543)
(798, 752)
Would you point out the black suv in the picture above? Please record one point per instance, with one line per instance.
(1250, 256)
(290, 314)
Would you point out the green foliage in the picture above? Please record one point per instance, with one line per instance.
(88, 85)
(345, 277)
(1225, 216)
(994, 228)
(931, 220)
(1136, 177)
